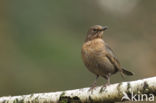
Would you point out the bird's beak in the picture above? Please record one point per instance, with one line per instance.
(104, 28)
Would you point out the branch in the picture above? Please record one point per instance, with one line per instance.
(110, 94)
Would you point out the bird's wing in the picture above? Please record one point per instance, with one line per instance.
(113, 59)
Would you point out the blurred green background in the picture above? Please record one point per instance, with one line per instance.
(40, 42)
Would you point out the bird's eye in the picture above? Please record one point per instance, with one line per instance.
(95, 30)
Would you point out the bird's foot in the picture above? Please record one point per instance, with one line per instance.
(104, 87)
(92, 87)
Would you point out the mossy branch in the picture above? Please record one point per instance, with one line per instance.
(110, 94)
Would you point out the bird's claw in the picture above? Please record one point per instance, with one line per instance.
(104, 87)
(92, 87)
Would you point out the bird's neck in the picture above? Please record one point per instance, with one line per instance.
(95, 41)
(93, 38)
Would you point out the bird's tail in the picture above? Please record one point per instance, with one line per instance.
(126, 72)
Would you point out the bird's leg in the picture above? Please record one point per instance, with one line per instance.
(108, 80)
(107, 77)
(94, 83)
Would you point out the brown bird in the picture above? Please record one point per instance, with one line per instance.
(98, 57)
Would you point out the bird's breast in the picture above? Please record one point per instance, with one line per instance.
(91, 49)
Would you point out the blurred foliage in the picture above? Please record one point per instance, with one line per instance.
(41, 42)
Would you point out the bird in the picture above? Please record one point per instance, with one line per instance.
(98, 56)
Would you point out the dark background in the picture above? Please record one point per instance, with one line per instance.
(40, 42)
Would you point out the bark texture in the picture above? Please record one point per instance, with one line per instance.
(110, 94)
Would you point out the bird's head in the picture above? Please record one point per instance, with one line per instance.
(95, 31)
